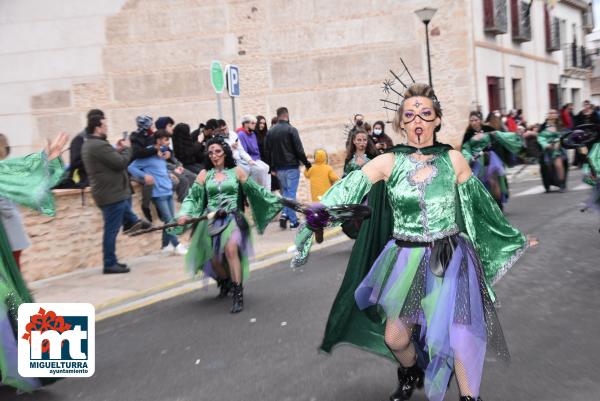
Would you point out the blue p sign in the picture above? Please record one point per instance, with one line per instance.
(233, 80)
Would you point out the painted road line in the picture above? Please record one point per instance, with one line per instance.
(539, 189)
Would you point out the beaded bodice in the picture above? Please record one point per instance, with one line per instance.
(422, 195)
(222, 192)
(352, 164)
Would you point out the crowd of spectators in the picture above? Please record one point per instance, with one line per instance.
(164, 157)
(563, 120)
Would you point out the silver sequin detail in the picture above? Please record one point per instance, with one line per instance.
(510, 262)
(421, 185)
(429, 237)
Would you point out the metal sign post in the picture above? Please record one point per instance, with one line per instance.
(233, 87)
(218, 82)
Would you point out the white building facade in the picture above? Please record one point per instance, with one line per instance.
(530, 55)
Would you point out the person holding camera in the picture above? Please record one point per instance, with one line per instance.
(154, 171)
(107, 170)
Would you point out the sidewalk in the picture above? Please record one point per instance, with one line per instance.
(154, 274)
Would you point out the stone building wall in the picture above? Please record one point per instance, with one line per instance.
(324, 60)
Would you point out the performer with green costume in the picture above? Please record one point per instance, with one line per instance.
(222, 248)
(26, 181)
(554, 163)
(427, 257)
(481, 147)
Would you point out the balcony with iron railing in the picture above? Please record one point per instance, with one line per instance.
(576, 57)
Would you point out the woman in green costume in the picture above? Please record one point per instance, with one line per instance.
(221, 248)
(481, 147)
(554, 163)
(359, 151)
(418, 284)
(25, 181)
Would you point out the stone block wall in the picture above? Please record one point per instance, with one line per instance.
(325, 61)
(73, 239)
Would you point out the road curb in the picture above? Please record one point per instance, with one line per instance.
(121, 305)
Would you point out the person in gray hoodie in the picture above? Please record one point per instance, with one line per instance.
(107, 171)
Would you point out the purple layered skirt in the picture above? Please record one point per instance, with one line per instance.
(455, 312)
(494, 170)
(203, 247)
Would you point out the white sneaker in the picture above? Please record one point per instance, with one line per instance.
(169, 249)
(181, 249)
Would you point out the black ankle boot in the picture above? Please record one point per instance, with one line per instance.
(238, 298)
(408, 380)
(469, 398)
(224, 285)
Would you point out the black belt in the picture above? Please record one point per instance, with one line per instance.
(441, 252)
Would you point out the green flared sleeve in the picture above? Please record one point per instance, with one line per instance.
(192, 206)
(194, 203)
(509, 140)
(263, 203)
(594, 158)
(544, 139)
(349, 190)
(28, 181)
(498, 243)
(466, 151)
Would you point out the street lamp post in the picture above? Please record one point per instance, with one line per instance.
(426, 14)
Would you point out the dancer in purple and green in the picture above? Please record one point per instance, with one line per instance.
(418, 284)
(481, 146)
(25, 181)
(554, 164)
(221, 249)
(359, 151)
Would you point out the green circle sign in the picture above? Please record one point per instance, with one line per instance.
(217, 78)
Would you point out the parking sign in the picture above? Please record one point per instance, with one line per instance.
(233, 80)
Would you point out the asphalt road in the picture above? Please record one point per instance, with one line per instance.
(191, 348)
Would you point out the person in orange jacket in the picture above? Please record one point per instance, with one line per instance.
(320, 175)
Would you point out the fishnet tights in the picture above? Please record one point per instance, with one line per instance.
(462, 379)
(398, 339)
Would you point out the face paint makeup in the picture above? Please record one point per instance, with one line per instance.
(426, 115)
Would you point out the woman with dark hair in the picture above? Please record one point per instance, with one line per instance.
(187, 151)
(418, 285)
(220, 247)
(261, 134)
(359, 151)
(481, 145)
(554, 163)
(380, 139)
